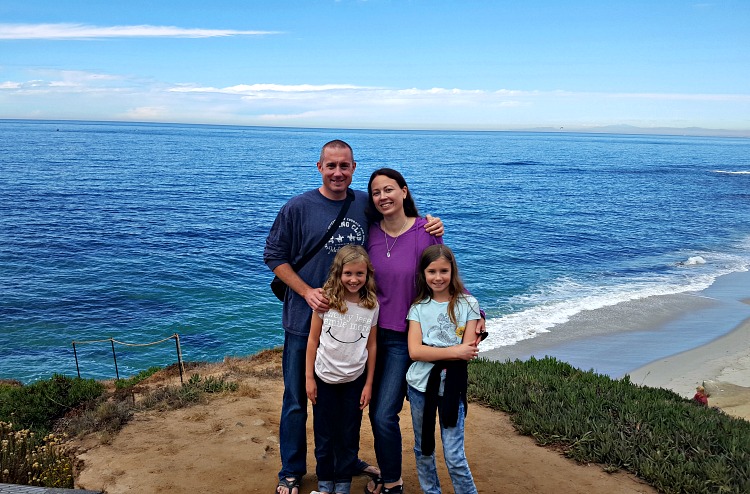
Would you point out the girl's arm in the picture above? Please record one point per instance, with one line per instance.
(313, 341)
(371, 349)
(467, 350)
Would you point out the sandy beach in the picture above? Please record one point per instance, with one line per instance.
(722, 367)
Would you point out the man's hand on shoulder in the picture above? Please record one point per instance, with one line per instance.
(316, 300)
(434, 226)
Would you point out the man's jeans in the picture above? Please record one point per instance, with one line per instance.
(453, 450)
(389, 391)
(293, 425)
(337, 420)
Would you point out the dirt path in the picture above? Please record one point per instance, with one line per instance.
(230, 445)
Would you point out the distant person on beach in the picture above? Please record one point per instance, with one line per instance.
(442, 339)
(701, 397)
(299, 225)
(341, 365)
(395, 243)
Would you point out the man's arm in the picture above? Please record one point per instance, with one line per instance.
(434, 226)
(313, 296)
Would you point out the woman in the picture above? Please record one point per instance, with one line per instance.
(395, 243)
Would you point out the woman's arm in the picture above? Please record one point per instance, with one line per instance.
(471, 332)
(313, 341)
(467, 350)
(371, 354)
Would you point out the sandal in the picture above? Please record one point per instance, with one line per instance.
(289, 484)
(378, 481)
(364, 471)
(396, 489)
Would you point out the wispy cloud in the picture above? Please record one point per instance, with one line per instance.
(252, 89)
(88, 95)
(281, 91)
(81, 31)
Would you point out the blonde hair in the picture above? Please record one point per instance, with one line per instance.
(334, 289)
(455, 287)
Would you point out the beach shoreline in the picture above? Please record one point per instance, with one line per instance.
(721, 366)
(675, 342)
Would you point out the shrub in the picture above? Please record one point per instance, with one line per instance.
(38, 405)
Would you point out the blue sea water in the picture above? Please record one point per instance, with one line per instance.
(139, 231)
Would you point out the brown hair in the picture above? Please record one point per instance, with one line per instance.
(409, 207)
(335, 291)
(335, 144)
(455, 287)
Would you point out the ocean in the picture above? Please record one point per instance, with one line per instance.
(135, 232)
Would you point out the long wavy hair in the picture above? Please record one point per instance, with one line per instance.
(409, 207)
(335, 290)
(455, 287)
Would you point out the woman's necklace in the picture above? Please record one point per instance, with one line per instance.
(387, 248)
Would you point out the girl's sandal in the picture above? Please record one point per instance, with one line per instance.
(289, 484)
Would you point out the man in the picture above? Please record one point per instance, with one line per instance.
(299, 226)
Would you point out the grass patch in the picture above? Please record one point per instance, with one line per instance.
(140, 377)
(656, 434)
(193, 391)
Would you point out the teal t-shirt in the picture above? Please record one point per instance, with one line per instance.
(439, 331)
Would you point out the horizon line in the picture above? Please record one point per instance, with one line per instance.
(621, 129)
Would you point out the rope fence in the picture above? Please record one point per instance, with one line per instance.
(112, 341)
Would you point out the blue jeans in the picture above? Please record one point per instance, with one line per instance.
(389, 391)
(453, 450)
(337, 420)
(293, 425)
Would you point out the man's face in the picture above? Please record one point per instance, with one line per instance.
(337, 169)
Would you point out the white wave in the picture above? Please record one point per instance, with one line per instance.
(727, 172)
(558, 302)
(693, 261)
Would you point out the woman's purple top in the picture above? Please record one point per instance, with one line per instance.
(396, 276)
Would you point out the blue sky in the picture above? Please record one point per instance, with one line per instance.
(379, 63)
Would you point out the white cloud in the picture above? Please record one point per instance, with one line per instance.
(82, 31)
(94, 96)
(150, 113)
(252, 89)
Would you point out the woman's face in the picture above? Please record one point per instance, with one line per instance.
(387, 196)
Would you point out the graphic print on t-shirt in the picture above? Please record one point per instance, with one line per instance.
(349, 232)
(347, 328)
(444, 331)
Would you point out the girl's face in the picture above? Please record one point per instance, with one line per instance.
(387, 196)
(354, 276)
(438, 276)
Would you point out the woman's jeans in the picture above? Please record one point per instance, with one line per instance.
(337, 420)
(453, 450)
(389, 391)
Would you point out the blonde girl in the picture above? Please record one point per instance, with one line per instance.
(340, 366)
(442, 339)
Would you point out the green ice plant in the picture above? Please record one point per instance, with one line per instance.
(656, 434)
